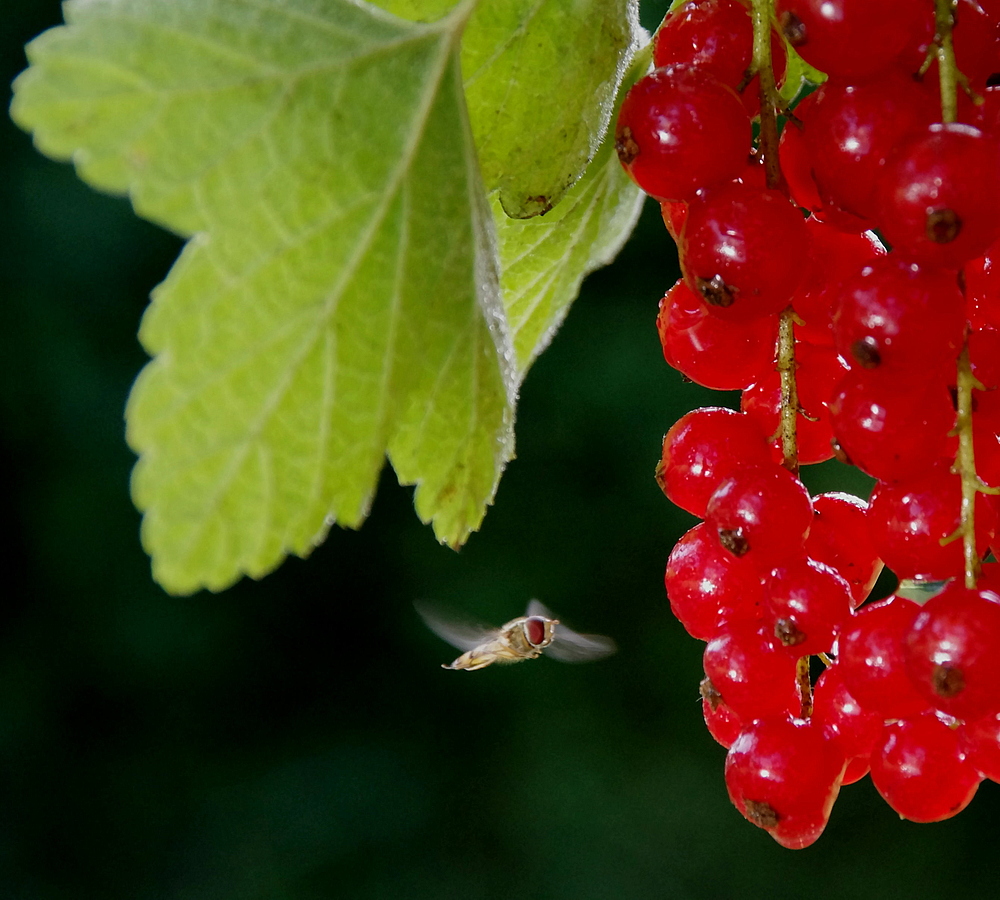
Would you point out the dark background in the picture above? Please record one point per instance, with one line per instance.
(295, 738)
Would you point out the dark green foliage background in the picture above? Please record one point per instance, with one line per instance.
(295, 738)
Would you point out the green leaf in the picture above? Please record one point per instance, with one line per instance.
(541, 78)
(339, 299)
(545, 259)
(800, 77)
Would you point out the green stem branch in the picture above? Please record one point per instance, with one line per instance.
(761, 65)
(965, 467)
(947, 68)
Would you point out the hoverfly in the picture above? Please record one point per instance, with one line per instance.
(525, 637)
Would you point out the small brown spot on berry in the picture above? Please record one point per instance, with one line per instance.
(793, 28)
(947, 681)
(762, 814)
(943, 226)
(734, 540)
(866, 352)
(786, 631)
(715, 291)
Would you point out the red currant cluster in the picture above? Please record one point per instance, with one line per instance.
(889, 360)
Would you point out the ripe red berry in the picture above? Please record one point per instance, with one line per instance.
(716, 35)
(887, 430)
(751, 672)
(783, 775)
(979, 739)
(920, 769)
(680, 129)
(872, 659)
(743, 250)
(846, 37)
(856, 728)
(707, 587)
(818, 370)
(851, 131)
(951, 651)
(899, 320)
(807, 603)
(833, 255)
(704, 447)
(908, 520)
(839, 536)
(724, 356)
(938, 197)
(723, 724)
(762, 513)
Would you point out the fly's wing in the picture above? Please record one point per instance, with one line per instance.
(456, 631)
(569, 646)
(537, 608)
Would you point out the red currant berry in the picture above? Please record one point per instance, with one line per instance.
(920, 770)
(704, 447)
(834, 707)
(851, 131)
(899, 320)
(951, 651)
(716, 35)
(845, 37)
(839, 537)
(819, 370)
(888, 431)
(784, 775)
(751, 672)
(723, 724)
(742, 250)
(908, 520)
(980, 741)
(762, 513)
(872, 659)
(680, 129)
(833, 254)
(706, 586)
(724, 356)
(938, 197)
(807, 603)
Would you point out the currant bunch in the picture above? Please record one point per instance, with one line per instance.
(888, 359)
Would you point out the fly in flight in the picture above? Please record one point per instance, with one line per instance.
(525, 637)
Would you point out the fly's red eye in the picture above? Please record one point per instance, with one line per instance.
(534, 631)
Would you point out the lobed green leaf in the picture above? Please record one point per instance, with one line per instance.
(340, 298)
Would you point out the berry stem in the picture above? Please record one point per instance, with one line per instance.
(761, 65)
(789, 392)
(947, 67)
(965, 466)
(804, 683)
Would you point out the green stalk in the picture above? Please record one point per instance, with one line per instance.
(948, 74)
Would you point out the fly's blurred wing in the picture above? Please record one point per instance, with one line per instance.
(537, 608)
(569, 646)
(456, 631)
